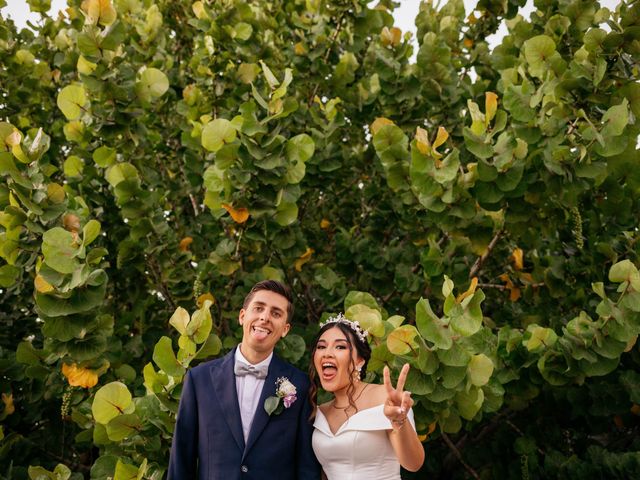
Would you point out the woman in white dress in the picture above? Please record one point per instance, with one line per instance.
(366, 431)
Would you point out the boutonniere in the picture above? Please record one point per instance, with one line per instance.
(284, 397)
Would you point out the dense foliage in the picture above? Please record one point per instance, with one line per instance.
(476, 209)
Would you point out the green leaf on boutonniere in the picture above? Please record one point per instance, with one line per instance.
(271, 404)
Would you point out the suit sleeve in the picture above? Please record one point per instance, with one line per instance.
(183, 461)
(307, 464)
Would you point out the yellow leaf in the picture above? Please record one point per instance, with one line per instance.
(391, 36)
(422, 141)
(304, 258)
(324, 224)
(239, 215)
(299, 48)
(9, 407)
(98, 11)
(516, 258)
(490, 107)
(635, 409)
(184, 244)
(470, 291)
(199, 11)
(203, 298)
(55, 193)
(42, 285)
(514, 292)
(441, 137)
(401, 341)
(378, 123)
(79, 376)
(84, 66)
(632, 341)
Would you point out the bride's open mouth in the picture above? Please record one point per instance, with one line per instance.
(329, 370)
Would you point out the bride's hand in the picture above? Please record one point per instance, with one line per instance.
(398, 401)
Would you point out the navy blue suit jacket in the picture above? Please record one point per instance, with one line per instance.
(208, 443)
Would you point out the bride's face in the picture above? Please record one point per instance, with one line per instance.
(334, 360)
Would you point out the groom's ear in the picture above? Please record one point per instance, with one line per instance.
(287, 326)
(241, 315)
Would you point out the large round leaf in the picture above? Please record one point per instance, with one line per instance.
(537, 51)
(72, 99)
(152, 84)
(217, 133)
(110, 401)
(60, 250)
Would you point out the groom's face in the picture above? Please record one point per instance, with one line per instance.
(264, 321)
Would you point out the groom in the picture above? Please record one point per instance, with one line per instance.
(223, 431)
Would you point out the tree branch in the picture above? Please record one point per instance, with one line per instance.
(458, 455)
(478, 263)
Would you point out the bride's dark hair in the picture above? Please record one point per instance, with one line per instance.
(363, 351)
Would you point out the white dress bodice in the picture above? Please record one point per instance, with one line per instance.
(360, 449)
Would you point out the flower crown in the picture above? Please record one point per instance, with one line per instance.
(360, 332)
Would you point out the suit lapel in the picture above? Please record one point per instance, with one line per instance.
(277, 368)
(224, 386)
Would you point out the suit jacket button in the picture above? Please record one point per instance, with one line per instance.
(244, 469)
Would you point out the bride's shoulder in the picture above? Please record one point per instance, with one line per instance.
(376, 394)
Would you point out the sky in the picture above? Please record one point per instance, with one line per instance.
(404, 15)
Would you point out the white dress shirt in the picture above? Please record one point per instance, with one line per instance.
(249, 389)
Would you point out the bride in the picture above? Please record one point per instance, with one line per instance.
(366, 431)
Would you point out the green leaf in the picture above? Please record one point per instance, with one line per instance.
(9, 275)
(431, 327)
(622, 271)
(537, 51)
(468, 320)
(286, 214)
(123, 426)
(217, 133)
(72, 100)
(90, 232)
(480, 369)
(539, 338)
(616, 119)
(469, 403)
(364, 298)
(73, 166)
(152, 84)
(369, 318)
(111, 400)
(456, 356)
(120, 172)
(300, 148)
(164, 357)
(60, 250)
(271, 404)
(104, 156)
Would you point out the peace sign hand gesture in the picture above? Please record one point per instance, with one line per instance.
(398, 401)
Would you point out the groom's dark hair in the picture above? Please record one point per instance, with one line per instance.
(272, 286)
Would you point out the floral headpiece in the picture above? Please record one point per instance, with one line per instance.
(360, 332)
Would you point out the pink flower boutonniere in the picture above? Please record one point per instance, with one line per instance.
(285, 391)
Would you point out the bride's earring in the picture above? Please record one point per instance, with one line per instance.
(356, 374)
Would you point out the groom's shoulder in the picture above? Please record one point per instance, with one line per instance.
(206, 367)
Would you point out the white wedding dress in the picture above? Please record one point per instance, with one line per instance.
(360, 449)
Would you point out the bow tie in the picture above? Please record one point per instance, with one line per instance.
(241, 369)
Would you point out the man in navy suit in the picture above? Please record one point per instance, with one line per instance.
(223, 431)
